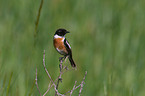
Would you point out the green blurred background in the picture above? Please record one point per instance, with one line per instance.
(107, 39)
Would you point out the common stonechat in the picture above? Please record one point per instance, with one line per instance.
(62, 46)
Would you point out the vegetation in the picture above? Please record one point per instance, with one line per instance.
(107, 39)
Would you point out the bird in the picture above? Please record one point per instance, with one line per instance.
(62, 46)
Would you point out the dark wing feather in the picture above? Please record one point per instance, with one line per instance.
(68, 48)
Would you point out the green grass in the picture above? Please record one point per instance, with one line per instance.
(107, 40)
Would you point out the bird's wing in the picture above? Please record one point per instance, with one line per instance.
(68, 48)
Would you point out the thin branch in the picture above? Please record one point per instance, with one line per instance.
(62, 71)
(82, 84)
(48, 89)
(37, 83)
(59, 79)
(45, 67)
(73, 88)
(49, 74)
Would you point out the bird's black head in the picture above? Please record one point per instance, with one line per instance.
(61, 32)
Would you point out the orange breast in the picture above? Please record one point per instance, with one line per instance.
(58, 43)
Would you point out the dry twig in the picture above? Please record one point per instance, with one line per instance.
(62, 70)
(74, 88)
(37, 83)
(49, 74)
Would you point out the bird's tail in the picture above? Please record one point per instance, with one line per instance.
(72, 61)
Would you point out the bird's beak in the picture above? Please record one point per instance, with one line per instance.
(67, 32)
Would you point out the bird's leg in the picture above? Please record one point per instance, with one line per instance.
(65, 62)
(61, 59)
(60, 64)
(66, 58)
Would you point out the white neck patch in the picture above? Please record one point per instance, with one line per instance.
(56, 36)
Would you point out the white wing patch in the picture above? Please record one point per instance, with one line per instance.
(68, 44)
